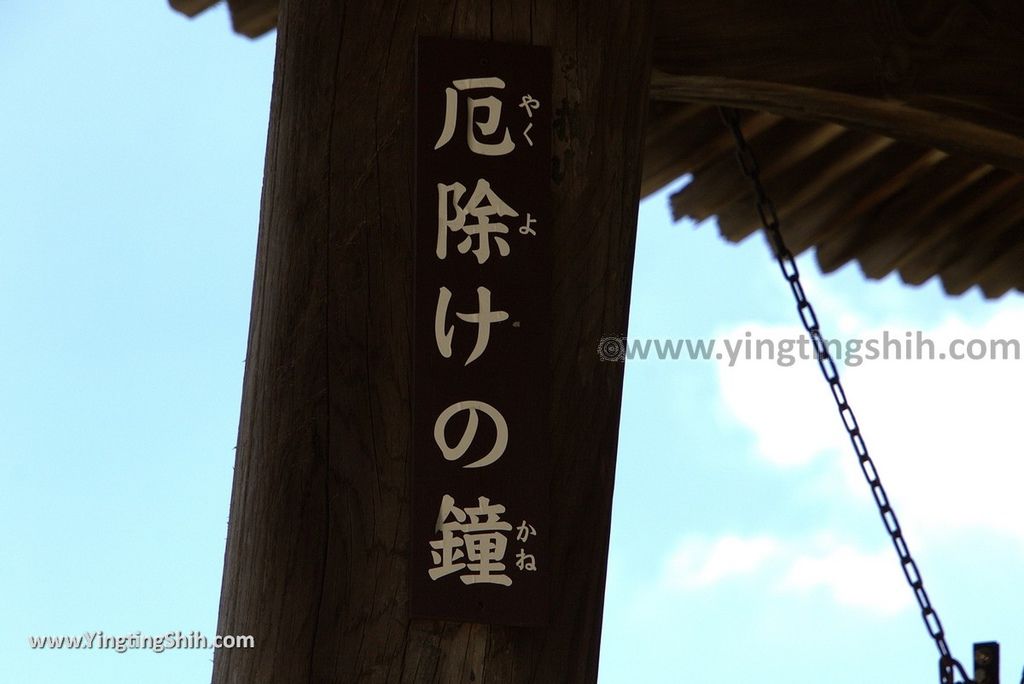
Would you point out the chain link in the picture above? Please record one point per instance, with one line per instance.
(770, 223)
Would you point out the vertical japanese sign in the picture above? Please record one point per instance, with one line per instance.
(481, 483)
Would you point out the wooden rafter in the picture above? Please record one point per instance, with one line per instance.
(191, 8)
(941, 73)
(884, 125)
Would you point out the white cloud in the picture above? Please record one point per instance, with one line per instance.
(700, 563)
(870, 582)
(785, 408)
(945, 435)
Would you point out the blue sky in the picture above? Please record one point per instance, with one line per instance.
(743, 545)
(131, 161)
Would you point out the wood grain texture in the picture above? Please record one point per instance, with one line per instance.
(315, 562)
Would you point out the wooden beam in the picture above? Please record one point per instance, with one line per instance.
(875, 237)
(1000, 231)
(842, 206)
(842, 201)
(253, 18)
(668, 124)
(721, 182)
(939, 73)
(887, 183)
(797, 191)
(191, 8)
(318, 540)
(671, 151)
(934, 248)
(1004, 273)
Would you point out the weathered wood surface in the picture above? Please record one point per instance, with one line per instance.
(926, 74)
(941, 73)
(315, 564)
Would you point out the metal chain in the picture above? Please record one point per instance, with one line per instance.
(770, 222)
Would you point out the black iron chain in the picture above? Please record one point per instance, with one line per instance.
(770, 223)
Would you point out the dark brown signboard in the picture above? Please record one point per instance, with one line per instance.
(481, 479)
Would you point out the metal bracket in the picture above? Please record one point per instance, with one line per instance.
(986, 662)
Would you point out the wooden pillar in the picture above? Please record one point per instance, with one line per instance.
(318, 534)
